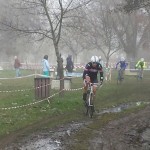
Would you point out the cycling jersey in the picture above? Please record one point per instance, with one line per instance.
(140, 65)
(123, 64)
(92, 72)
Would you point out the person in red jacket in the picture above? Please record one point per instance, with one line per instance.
(17, 66)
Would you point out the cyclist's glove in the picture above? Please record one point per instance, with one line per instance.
(101, 82)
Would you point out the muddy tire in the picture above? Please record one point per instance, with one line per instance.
(90, 111)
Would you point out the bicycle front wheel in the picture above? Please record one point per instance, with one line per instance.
(90, 107)
(90, 111)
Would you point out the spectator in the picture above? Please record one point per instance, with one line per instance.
(69, 65)
(46, 66)
(17, 66)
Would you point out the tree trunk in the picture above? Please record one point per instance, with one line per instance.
(61, 75)
(60, 70)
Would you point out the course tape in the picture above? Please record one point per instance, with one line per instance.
(37, 102)
(25, 76)
(23, 90)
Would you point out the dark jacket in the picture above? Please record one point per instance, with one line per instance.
(92, 72)
(17, 63)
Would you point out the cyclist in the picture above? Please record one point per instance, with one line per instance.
(90, 75)
(123, 64)
(140, 66)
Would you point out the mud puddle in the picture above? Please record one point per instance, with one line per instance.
(121, 108)
(50, 140)
(55, 140)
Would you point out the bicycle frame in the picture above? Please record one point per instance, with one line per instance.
(90, 92)
(89, 100)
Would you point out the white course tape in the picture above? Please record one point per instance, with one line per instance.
(36, 102)
(24, 76)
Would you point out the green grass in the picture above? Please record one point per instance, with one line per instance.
(60, 109)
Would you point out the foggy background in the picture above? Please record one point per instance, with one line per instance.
(96, 28)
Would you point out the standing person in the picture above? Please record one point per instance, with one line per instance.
(140, 66)
(90, 74)
(122, 66)
(46, 66)
(69, 65)
(17, 66)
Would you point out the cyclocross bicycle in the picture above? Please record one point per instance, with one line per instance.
(89, 103)
(120, 76)
(140, 74)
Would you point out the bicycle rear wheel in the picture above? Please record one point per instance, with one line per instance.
(120, 76)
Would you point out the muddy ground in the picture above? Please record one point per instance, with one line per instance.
(128, 133)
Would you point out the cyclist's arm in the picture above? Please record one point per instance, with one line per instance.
(137, 65)
(101, 73)
(117, 64)
(101, 77)
(86, 71)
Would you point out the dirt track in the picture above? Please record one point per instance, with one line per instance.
(128, 133)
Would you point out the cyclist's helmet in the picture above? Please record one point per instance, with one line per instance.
(142, 59)
(122, 58)
(94, 59)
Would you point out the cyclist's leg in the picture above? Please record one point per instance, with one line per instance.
(85, 87)
(94, 87)
(122, 75)
(137, 74)
(94, 93)
(84, 90)
(141, 73)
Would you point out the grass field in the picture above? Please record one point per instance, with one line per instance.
(70, 106)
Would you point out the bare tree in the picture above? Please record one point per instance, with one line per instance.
(98, 29)
(131, 30)
(46, 22)
(75, 42)
(131, 5)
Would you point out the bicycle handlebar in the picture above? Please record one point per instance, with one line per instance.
(98, 84)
